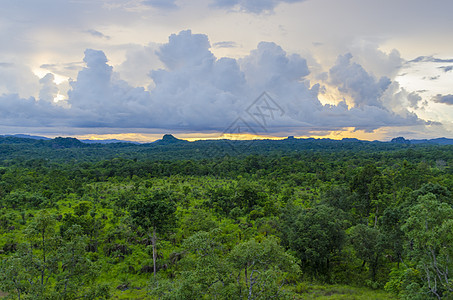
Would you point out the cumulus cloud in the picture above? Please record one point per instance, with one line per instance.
(97, 98)
(252, 6)
(186, 50)
(28, 112)
(376, 61)
(139, 61)
(270, 67)
(18, 78)
(414, 99)
(351, 78)
(445, 99)
(195, 91)
(49, 89)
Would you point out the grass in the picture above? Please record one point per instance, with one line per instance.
(337, 292)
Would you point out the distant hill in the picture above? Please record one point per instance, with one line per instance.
(171, 148)
(27, 136)
(169, 139)
(437, 141)
(109, 141)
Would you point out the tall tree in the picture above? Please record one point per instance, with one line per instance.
(316, 235)
(154, 213)
(265, 265)
(429, 229)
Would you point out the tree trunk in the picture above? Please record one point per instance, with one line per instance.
(43, 270)
(153, 241)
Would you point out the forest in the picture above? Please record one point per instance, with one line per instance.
(288, 219)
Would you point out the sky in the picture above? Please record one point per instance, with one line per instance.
(137, 69)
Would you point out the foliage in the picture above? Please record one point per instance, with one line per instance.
(205, 220)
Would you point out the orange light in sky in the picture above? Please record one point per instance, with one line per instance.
(350, 132)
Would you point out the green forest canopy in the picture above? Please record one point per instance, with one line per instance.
(225, 219)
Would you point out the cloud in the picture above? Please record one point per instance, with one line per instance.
(70, 69)
(376, 61)
(445, 99)
(98, 98)
(414, 99)
(28, 112)
(251, 6)
(225, 44)
(49, 89)
(447, 68)
(351, 78)
(139, 61)
(269, 67)
(430, 59)
(161, 4)
(97, 34)
(18, 78)
(195, 91)
(186, 50)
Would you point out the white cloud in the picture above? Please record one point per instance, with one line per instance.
(351, 78)
(18, 78)
(139, 61)
(195, 91)
(49, 89)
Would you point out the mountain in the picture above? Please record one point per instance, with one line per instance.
(110, 141)
(400, 140)
(27, 136)
(169, 139)
(437, 141)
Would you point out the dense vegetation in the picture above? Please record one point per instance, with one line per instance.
(295, 219)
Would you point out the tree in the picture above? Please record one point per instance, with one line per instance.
(29, 270)
(154, 213)
(47, 266)
(362, 184)
(251, 270)
(44, 263)
(316, 235)
(12, 277)
(429, 229)
(368, 245)
(77, 270)
(265, 265)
